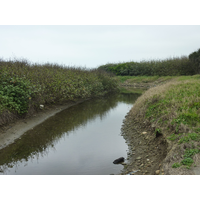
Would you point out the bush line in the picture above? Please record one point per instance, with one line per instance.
(24, 86)
(177, 66)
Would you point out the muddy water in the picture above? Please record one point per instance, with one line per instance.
(81, 140)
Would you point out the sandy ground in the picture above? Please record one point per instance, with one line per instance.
(13, 131)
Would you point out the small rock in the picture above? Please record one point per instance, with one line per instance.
(119, 160)
(157, 172)
(41, 106)
(147, 159)
(138, 158)
(162, 170)
(123, 163)
(141, 165)
(144, 133)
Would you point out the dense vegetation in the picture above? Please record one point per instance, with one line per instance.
(24, 86)
(195, 59)
(173, 109)
(168, 67)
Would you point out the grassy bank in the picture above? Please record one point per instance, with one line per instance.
(24, 86)
(143, 79)
(173, 110)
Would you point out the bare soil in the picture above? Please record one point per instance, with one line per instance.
(146, 151)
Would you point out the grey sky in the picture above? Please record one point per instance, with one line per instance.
(92, 46)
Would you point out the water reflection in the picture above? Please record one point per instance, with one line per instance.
(80, 140)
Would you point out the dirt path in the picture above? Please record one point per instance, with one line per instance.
(13, 131)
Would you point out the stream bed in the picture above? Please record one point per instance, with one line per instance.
(84, 139)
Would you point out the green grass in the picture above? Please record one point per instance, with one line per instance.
(138, 79)
(174, 136)
(188, 158)
(174, 109)
(189, 137)
(182, 101)
(144, 79)
(176, 165)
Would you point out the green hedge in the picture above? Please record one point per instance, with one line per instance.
(24, 85)
(168, 67)
(195, 59)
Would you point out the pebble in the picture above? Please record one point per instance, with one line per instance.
(147, 159)
(138, 158)
(157, 172)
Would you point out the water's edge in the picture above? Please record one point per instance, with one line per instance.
(16, 129)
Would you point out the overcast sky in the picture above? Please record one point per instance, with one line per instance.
(92, 46)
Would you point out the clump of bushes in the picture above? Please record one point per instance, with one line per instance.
(24, 85)
(176, 66)
(195, 59)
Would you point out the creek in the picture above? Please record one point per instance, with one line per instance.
(84, 139)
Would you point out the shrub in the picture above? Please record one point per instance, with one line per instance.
(195, 59)
(15, 93)
(169, 67)
(24, 85)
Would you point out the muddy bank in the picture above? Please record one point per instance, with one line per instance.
(151, 155)
(9, 133)
(146, 151)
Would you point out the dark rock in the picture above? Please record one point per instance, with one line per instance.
(119, 160)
